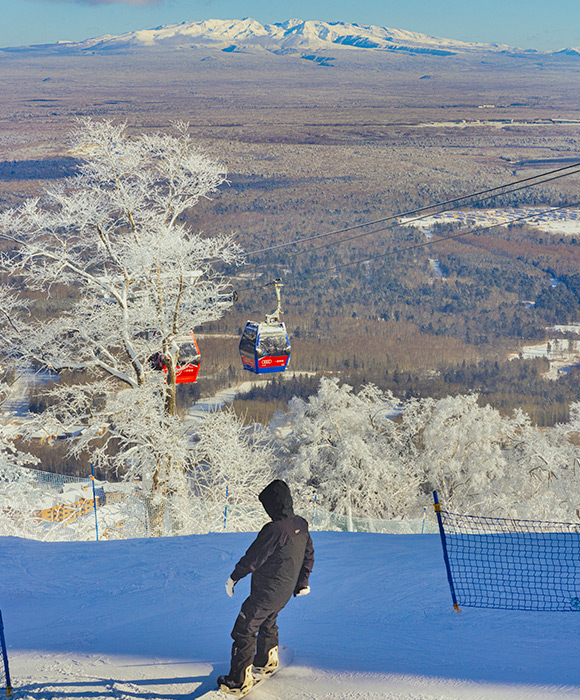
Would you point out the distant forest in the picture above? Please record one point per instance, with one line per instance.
(311, 150)
(395, 322)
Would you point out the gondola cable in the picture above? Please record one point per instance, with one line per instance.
(444, 238)
(265, 347)
(425, 216)
(419, 218)
(429, 207)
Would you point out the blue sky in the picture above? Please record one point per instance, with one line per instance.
(540, 24)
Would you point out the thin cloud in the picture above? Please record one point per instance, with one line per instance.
(142, 3)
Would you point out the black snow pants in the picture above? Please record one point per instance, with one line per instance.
(255, 633)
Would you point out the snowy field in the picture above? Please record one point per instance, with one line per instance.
(225, 396)
(150, 620)
(562, 222)
(563, 353)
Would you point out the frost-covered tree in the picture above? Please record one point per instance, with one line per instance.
(11, 458)
(115, 233)
(457, 446)
(346, 448)
(233, 464)
(481, 462)
(544, 469)
(343, 447)
(15, 477)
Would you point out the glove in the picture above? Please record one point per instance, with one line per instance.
(303, 591)
(230, 583)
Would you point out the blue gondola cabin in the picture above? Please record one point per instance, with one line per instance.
(265, 347)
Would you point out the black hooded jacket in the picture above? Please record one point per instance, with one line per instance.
(282, 556)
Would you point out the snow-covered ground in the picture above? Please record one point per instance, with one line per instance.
(150, 620)
(213, 403)
(562, 222)
(17, 402)
(563, 353)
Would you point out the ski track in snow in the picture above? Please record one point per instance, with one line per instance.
(96, 677)
(150, 620)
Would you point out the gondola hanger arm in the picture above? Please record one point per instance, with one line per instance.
(274, 317)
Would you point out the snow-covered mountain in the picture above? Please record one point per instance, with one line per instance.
(294, 34)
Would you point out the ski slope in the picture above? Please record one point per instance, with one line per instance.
(150, 620)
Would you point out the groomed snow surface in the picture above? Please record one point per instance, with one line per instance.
(149, 619)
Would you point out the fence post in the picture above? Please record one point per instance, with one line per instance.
(95, 501)
(5, 659)
(437, 507)
(314, 509)
(349, 523)
(226, 507)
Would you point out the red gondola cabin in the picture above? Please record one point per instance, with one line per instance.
(188, 361)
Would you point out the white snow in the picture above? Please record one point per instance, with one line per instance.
(562, 222)
(293, 33)
(150, 619)
(562, 353)
(228, 395)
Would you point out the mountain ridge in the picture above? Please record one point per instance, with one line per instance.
(291, 35)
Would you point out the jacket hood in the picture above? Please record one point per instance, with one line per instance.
(277, 500)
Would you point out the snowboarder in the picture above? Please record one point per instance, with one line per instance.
(280, 560)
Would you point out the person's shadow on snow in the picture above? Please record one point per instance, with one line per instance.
(110, 687)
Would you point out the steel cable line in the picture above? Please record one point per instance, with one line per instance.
(419, 218)
(425, 216)
(402, 249)
(418, 210)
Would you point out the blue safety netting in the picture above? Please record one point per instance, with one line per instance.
(512, 564)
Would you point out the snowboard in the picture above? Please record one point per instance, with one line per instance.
(285, 658)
